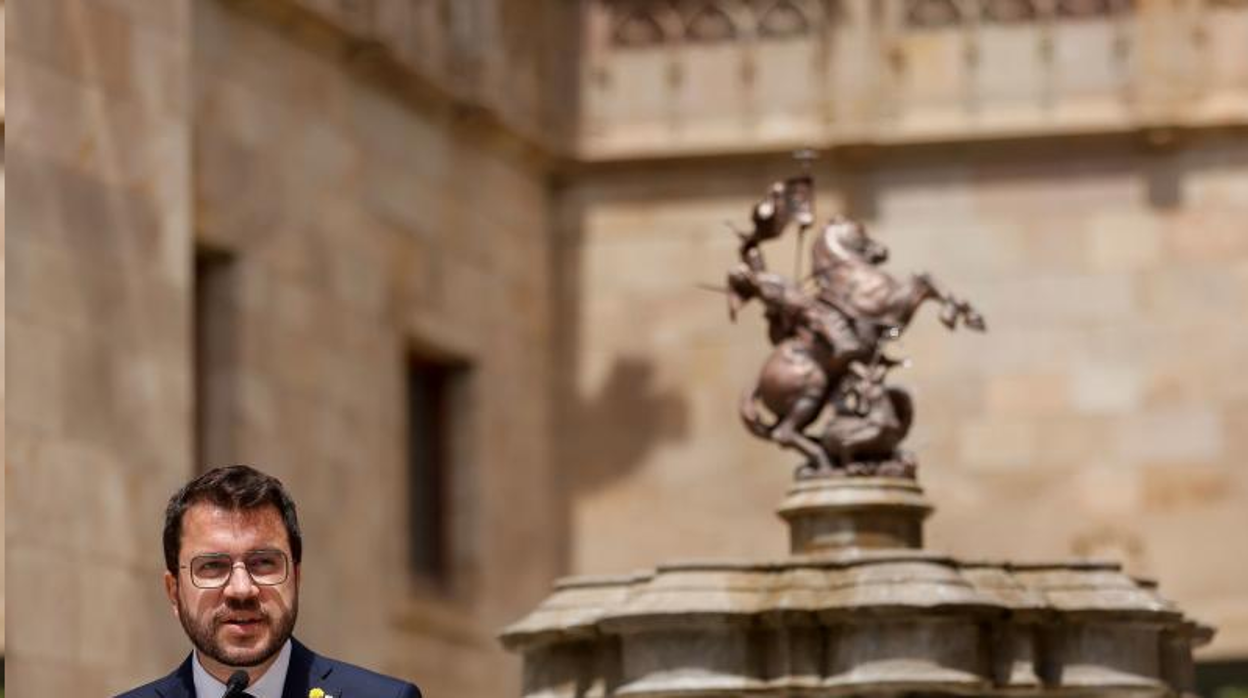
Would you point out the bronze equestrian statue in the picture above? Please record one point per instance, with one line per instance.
(829, 340)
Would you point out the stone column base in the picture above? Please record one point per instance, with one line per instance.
(836, 513)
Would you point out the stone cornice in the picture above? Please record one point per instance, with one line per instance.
(465, 105)
(460, 106)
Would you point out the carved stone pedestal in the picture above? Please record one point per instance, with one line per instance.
(858, 609)
(837, 513)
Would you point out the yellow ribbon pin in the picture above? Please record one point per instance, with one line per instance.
(316, 693)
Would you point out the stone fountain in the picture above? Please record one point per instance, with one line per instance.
(859, 607)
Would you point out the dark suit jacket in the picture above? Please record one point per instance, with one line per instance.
(307, 670)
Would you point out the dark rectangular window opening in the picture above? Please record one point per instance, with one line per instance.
(434, 417)
(215, 354)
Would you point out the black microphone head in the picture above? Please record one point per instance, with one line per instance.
(238, 681)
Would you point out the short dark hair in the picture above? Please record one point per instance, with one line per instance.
(234, 487)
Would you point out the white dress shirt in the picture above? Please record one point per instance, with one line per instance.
(269, 685)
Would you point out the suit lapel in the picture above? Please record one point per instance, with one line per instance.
(179, 684)
(308, 670)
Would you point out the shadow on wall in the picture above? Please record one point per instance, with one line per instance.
(605, 435)
(612, 431)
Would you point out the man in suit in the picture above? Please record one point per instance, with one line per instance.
(232, 556)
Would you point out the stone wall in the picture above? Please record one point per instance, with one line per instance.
(363, 224)
(377, 199)
(98, 421)
(363, 227)
(1078, 169)
(3, 475)
(1101, 415)
(509, 61)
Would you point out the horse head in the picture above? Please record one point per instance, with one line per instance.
(846, 241)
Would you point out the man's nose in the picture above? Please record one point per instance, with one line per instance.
(240, 584)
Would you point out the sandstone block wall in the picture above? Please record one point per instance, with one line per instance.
(97, 426)
(1103, 415)
(1100, 415)
(362, 227)
(3, 475)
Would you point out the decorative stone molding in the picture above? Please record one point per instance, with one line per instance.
(930, 14)
(650, 23)
(452, 55)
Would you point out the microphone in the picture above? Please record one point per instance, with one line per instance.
(238, 681)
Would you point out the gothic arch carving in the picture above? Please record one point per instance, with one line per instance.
(649, 23)
(782, 20)
(710, 22)
(637, 27)
(1008, 11)
(930, 14)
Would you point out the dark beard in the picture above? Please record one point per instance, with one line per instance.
(204, 635)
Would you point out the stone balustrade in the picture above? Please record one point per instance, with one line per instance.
(620, 79)
(664, 78)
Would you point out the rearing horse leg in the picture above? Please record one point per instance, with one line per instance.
(788, 431)
(952, 307)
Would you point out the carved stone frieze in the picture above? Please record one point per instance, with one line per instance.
(637, 28)
(710, 23)
(649, 23)
(782, 20)
(934, 14)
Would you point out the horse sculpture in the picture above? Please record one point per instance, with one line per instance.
(794, 383)
(847, 269)
(819, 334)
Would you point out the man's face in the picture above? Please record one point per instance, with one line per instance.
(241, 624)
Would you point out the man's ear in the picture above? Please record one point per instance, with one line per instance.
(171, 590)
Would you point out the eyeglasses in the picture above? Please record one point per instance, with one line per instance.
(213, 570)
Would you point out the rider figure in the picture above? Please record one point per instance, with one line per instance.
(789, 309)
